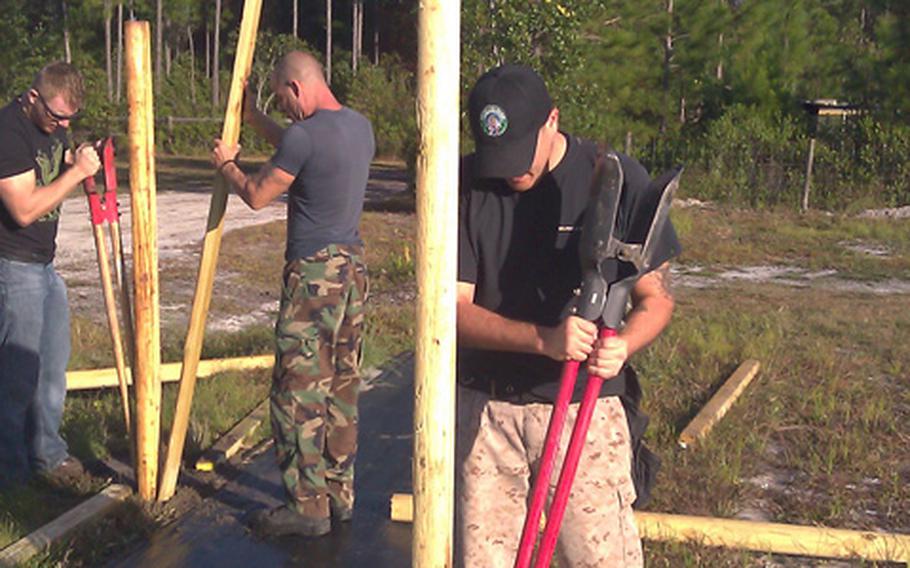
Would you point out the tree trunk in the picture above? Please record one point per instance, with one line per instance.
(720, 58)
(216, 95)
(208, 52)
(119, 50)
(159, 34)
(192, 46)
(375, 33)
(67, 53)
(168, 57)
(328, 41)
(296, 17)
(668, 60)
(108, 66)
(357, 31)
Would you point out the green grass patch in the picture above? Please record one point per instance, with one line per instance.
(827, 417)
(815, 241)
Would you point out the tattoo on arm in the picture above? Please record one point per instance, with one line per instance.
(665, 281)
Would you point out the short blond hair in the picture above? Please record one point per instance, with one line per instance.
(60, 78)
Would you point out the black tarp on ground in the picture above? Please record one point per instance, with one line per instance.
(214, 534)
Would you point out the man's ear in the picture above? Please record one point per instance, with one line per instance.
(295, 87)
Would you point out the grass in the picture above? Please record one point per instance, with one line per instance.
(815, 241)
(820, 437)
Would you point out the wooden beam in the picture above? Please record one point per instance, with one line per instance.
(438, 60)
(42, 539)
(720, 403)
(192, 348)
(110, 304)
(145, 255)
(229, 444)
(775, 538)
(170, 372)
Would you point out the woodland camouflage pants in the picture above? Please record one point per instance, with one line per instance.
(316, 379)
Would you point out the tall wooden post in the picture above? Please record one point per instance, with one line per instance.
(437, 216)
(145, 254)
(810, 161)
(192, 347)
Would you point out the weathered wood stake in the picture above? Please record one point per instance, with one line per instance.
(192, 347)
(775, 538)
(145, 255)
(437, 217)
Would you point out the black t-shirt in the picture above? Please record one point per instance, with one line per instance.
(24, 147)
(520, 249)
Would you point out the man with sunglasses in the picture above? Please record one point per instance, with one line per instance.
(38, 170)
(322, 161)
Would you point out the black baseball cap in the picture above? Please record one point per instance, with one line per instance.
(507, 107)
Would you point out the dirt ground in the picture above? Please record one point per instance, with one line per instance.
(182, 215)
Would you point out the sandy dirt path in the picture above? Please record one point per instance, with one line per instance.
(182, 217)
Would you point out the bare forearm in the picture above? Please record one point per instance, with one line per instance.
(645, 322)
(653, 303)
(239, 183)
(267, 128)
(479, 327)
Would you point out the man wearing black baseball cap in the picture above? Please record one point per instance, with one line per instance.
(523, 193)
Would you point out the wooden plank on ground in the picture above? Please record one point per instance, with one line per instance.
(40, 540)
(169, 372)
(778, 538)
(720, 403)
(230, 443)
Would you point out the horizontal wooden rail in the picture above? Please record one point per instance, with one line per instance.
(170, 372)
(41, 539)
(798, 540)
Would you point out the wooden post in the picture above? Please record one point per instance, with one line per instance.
(192, 347)
(776, 538)
(110, 305)
(437, 216)
(145, 254)
(168, 372)
(808, 185)
(719, 404)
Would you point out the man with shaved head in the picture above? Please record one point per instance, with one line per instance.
(322, 162)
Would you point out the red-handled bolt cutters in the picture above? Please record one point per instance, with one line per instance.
(603, 298)
(104, 210)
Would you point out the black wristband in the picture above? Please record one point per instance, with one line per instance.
(226, 162)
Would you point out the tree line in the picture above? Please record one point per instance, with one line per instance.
(715, 84)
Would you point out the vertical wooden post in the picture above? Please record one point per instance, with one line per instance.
(809, 162)
(192, 347)
(145, 257)
(437, 216)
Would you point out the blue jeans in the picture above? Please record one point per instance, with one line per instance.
(34, 351)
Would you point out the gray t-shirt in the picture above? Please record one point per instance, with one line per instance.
(329, 154)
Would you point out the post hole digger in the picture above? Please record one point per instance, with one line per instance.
(104, 210)
(611, 266)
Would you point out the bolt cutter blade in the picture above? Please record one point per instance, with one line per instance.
(603, 207)
(643, 226)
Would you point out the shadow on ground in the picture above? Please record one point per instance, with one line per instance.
(215, 534)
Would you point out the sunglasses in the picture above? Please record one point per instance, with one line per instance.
(53, 115)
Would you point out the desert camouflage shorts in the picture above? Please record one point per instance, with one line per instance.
(316, 380)
(497, 452)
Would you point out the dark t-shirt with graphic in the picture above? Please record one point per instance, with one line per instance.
(24, 147)
(329, 155)
(520, 250)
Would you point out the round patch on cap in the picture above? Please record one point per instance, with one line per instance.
(493, 121)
